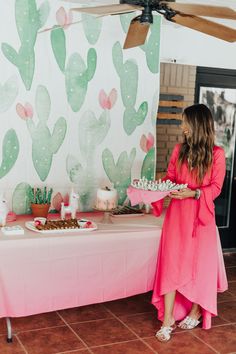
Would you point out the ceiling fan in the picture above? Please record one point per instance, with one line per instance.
(188, 15)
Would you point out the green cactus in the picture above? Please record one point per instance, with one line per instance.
(44, 143)
(58, 42)
(8, 93)
(148, 167)
(29, 20)
(133, 118)
(92, 132)
(92, 28)
(128, 73)
(10, 152)
(77, 77)
(83, 177)
(40, 195)
(152, 46)
(119, 173)
(21, 199)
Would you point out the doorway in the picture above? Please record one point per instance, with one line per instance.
(217, 89)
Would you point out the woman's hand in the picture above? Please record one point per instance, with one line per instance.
(183, 194)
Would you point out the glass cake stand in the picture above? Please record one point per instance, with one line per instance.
(106, 219)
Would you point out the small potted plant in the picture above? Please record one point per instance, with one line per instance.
(40, 199)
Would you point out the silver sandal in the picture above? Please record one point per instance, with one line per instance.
(164, 333)
(189, 323)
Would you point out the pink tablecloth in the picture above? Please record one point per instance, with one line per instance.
(137, 196)
(41, 273)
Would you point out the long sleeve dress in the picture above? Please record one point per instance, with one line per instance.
(190, 258)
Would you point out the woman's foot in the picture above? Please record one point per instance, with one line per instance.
(191, 321)
(164, 333)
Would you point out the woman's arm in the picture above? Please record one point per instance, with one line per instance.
(171, 175)
(212, 191)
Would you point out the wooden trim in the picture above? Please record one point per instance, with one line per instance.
(169, 116)
(172, 103)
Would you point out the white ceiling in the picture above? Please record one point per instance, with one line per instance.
(230, 3)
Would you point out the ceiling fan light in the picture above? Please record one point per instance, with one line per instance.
(146, 17)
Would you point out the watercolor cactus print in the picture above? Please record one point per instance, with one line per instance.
(8, 93)
(10, 151)
(119, 173)
(29, 20)
(128, 74)
(92, 132)
(73, 109)
(148, 166)
(44, 143)
(77, 77)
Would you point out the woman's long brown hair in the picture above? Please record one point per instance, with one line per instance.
(197, 147)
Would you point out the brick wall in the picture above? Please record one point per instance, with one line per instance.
(178, 80)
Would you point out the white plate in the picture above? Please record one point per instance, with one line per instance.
(127, 215)
(30, 226)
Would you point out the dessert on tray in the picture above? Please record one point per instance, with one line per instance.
(126, 210)
(147, 185)
(59, 224)
(145, 191)
(106, 198)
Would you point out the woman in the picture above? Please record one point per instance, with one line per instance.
(190, 267)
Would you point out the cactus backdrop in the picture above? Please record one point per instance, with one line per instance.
(75, 108)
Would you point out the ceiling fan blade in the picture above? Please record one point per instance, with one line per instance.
(137, 34)
(203, 10)
(108, 9)
(205, 26)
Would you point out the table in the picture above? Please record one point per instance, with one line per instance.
(41, 273)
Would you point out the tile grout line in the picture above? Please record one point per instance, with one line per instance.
(76, 334)
(130, 329)
(102, 319)
(21, 344)
(208, 345)
(122, 342)
(37, 329)
(71, 351)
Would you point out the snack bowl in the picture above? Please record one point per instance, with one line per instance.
(39, 221)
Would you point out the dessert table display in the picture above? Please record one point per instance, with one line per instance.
(144, 191)
(42, 272)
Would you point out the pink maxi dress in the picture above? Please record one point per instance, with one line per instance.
(190, 258)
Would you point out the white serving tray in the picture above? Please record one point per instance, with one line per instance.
(30, 226)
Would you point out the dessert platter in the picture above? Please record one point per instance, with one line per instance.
(62, 226)
(162, 186)
(126, 211)
(142, 190)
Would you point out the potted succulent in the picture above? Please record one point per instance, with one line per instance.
(40, 199)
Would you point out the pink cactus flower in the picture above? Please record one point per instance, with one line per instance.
(107, 102)
(64, 19)
(24, 112)
(146, 143)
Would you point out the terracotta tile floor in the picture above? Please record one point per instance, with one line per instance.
(122, 327)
